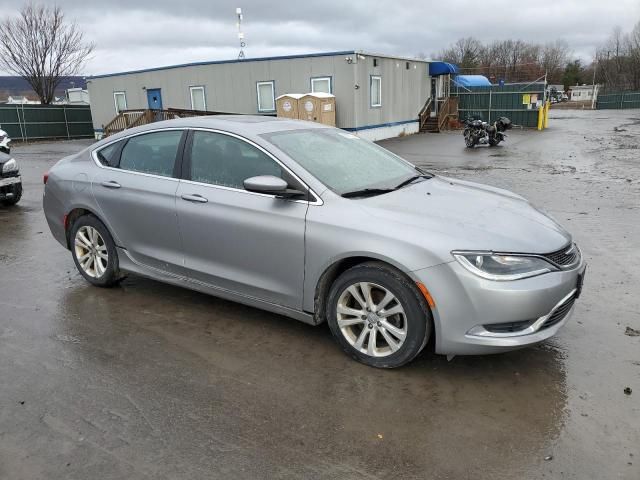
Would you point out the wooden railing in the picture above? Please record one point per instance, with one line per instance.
(425, 112)
(448, 109)
(134, 118)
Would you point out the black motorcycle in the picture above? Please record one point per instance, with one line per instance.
(477, 132)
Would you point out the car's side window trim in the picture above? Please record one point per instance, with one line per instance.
(176, 167)
(312, 197)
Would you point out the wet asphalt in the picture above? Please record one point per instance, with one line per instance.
(147, 380)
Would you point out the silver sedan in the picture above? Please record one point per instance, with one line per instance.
(317, 224)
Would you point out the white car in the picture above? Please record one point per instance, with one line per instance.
(5, 142)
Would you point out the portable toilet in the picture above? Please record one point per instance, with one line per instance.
(318, 107)
(287, 105)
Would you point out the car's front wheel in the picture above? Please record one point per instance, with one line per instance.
(378, 316)
(94, 251)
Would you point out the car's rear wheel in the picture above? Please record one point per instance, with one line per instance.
(94, 251)
(378, 316)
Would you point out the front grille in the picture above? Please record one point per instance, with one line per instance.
(508, 327)
(567, 256)
(14, 173)
(559, 314)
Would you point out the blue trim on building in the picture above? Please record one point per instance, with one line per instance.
(221, 62)
(380, 125)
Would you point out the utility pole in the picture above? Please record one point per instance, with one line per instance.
(593, 93)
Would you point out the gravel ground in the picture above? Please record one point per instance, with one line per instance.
(151, 381)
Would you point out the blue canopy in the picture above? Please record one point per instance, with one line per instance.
(442, 68)
(471, 81)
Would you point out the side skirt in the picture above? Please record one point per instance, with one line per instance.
(128, 264)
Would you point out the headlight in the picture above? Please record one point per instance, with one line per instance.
(10, 166)
(502, 267)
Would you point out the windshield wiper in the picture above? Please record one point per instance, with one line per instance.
(410, 179)
(378, 191)
(367, 192)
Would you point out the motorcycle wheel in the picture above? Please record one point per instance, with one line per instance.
(468, 139)
(493, 143)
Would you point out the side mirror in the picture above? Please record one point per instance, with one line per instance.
(271, 185)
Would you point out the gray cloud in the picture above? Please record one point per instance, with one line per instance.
(146, 33)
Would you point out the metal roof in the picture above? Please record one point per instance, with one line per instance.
(259, 59)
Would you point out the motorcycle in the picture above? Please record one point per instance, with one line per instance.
(5, 141)
(478, 132)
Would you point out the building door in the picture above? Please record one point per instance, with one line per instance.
(154, 98)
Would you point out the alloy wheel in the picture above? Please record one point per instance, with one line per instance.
(91, 251)
(371, 319)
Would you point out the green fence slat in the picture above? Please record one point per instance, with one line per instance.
(618, 100)
(495, 101)
(25, 122)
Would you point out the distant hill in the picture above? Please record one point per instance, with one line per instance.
(17, 86)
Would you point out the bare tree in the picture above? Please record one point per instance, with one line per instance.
(553, 58)
(464, 53)
(42, 48)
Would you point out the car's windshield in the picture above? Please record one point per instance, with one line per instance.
(342, 161)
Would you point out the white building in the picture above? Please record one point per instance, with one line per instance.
(21, 100)
(582, 93)
(77, 96)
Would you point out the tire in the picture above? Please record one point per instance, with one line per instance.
(468, 139)
(90, 236)
(16, 189)
(351, 330)
(493, 143)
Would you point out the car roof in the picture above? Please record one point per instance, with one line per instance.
(243, 125)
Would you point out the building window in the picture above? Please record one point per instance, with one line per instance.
(375, 62)
(120, 101)
(321, 84)
(407, 65)
(266, 96)
(376, 91)
(198, 101)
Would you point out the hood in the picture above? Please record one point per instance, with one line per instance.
(460, 215)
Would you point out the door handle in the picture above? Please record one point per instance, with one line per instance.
(111, 184)
(195, 198)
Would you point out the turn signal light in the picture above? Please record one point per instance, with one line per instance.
(45, 178)
(426, 294)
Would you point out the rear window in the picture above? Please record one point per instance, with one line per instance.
(108, 156)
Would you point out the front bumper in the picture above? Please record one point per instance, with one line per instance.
(467, 307)
(5, 182)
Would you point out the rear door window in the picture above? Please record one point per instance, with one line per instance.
(108, 156)
(153, 153)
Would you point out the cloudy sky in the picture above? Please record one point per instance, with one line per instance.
(133, 34)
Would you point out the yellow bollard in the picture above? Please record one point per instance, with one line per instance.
(546, 113)
(540, 117)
